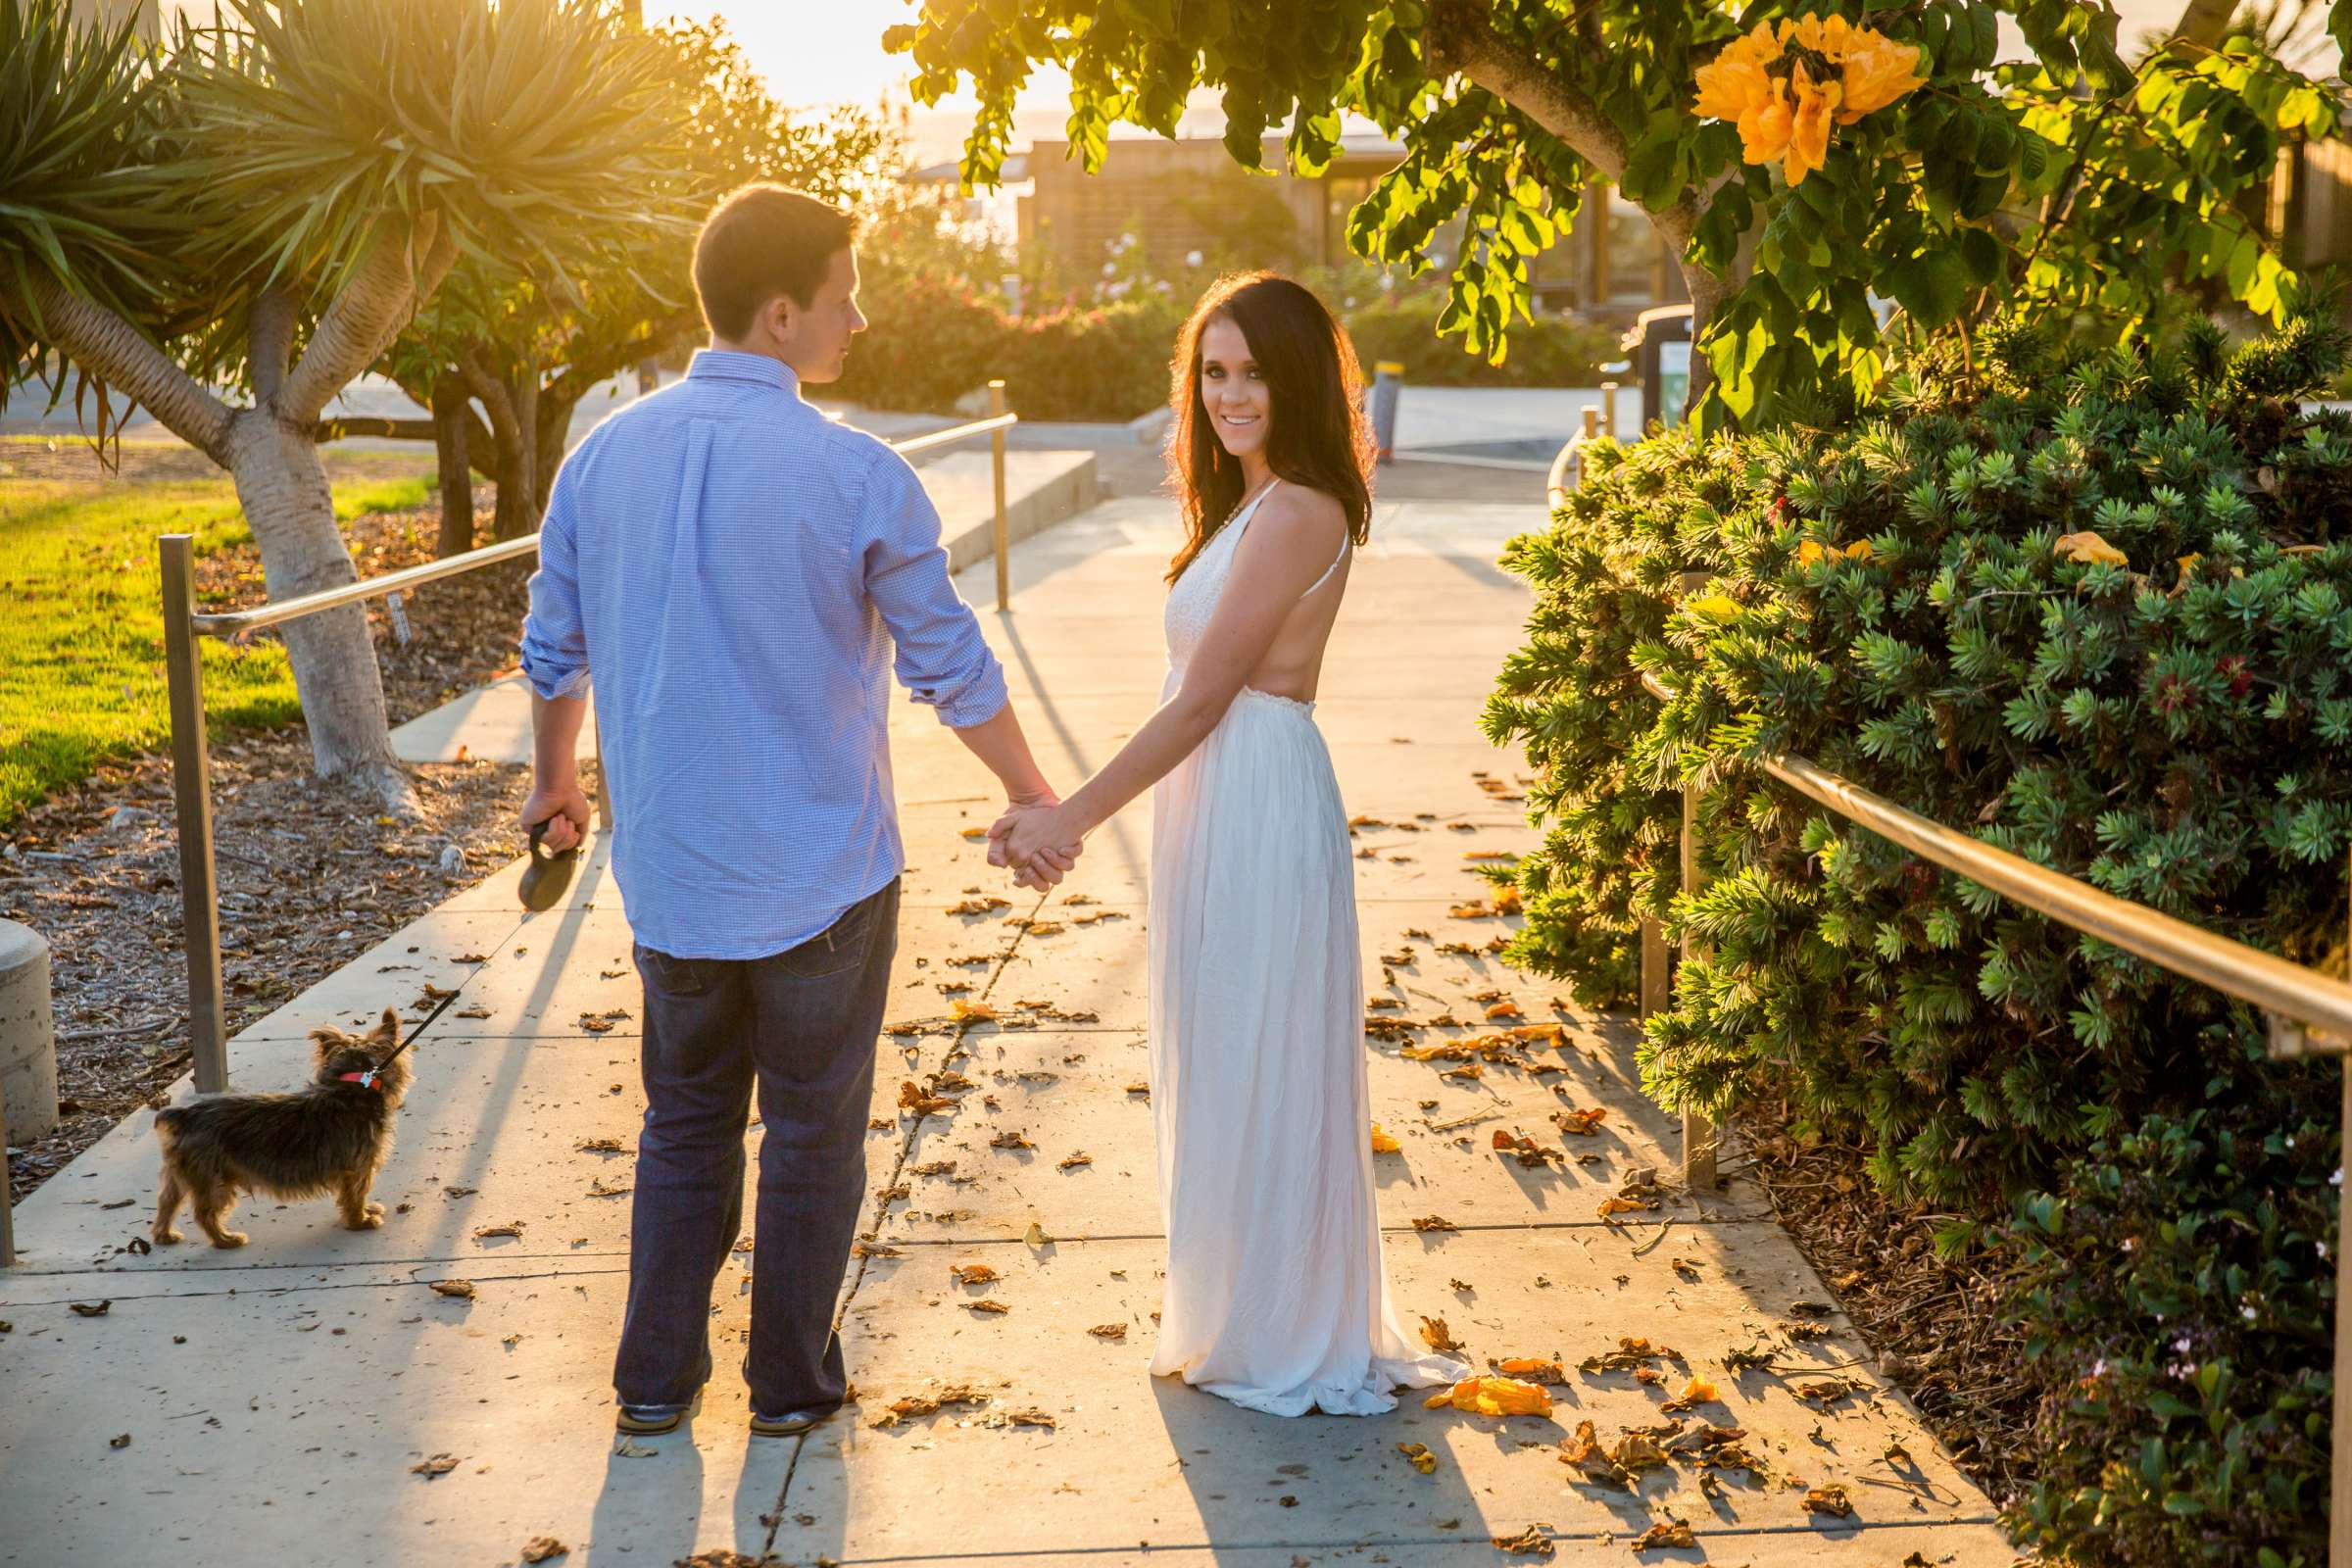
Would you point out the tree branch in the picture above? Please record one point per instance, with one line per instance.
(387, 429)
(110, 348)
(269, 340)
(1462, 40)
(391, 281)
(496, 401)
(660, 336)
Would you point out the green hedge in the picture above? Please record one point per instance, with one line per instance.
(934, 337)
(2181, 1299)
(2096, 609)
(1893, 601)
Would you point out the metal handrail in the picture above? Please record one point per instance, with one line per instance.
(237, 622)
(191, 762)
(941, 438)
(2308, 1013)
(2285, 991)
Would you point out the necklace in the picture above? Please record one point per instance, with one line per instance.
(1272, 481)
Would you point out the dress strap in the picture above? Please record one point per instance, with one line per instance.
(1345, 546)
(1242, 521)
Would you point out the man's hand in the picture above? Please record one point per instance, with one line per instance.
(564, 808)
(1038, 840)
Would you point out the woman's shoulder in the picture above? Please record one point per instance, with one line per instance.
(1305, 510)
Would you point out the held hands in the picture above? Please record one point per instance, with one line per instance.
(1038, 839)
(563, 807)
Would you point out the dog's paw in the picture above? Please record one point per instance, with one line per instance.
(375, 1212)
(370, 1218)
(231, 1238)
(167, 1238)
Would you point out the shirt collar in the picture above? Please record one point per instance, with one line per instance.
(732, 364)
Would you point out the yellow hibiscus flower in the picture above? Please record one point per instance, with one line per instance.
(1764, 129)
(1734, 83)
(1874, 73)
(1809, 132)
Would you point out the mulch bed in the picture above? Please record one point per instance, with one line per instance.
(312, 873)
(1933, 1321)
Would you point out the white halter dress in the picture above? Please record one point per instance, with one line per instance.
(1276, 1295)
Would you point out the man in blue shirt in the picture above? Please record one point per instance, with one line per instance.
(727, 571)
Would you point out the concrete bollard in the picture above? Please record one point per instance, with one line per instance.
(27, 1033)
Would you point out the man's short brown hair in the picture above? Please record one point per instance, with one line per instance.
(761, 242)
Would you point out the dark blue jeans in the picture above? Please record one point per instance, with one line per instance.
(804, 1025)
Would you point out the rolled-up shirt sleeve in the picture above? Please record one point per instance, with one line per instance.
(943, 658)
(555, 640)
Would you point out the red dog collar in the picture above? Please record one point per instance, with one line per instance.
(365, 1079)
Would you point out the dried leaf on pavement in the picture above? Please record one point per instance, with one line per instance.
(987, 905)
(1665, 1533)
(544, 1548)
(1435, 1222)
(440, 1464)
(1492, 1395)
(1526, 1149)
(911, 1098)
(1829, 1500)
(1697, 1391)
(1529, 1543)
(1437, 1336)
(1630, 1353)
(1417, 1454)
(461, 1288)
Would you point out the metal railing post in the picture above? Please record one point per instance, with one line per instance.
(191, 784)
(1656, 969)
(1699, 1133)
(7, 1194)
(996, 442)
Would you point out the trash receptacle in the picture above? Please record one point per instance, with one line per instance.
(1660, 344)
(1388, 380)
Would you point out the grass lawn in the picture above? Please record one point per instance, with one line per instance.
(81, 651)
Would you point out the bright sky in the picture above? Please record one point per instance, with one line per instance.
(830, 51)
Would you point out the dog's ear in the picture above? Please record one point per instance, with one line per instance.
(326, 1040)
(387, 1028)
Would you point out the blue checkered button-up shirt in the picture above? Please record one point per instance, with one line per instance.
(728, 570)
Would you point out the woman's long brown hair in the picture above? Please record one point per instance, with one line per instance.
(1319, 437)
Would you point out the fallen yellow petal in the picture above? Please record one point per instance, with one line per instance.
(2090, 547)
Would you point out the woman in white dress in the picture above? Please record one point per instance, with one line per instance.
(1277, 1294)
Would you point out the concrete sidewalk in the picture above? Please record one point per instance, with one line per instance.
(275, 1400)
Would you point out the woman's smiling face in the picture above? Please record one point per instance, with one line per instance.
(1233, 390)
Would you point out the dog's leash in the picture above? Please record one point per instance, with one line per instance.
(367, 1080)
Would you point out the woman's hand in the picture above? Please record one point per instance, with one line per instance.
(1038, 840)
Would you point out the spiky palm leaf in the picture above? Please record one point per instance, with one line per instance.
(527, 127)
(81, 204)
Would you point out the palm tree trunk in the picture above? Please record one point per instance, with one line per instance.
(451, 446)
(283, 486)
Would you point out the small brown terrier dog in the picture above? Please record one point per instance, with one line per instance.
(332, 1135)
